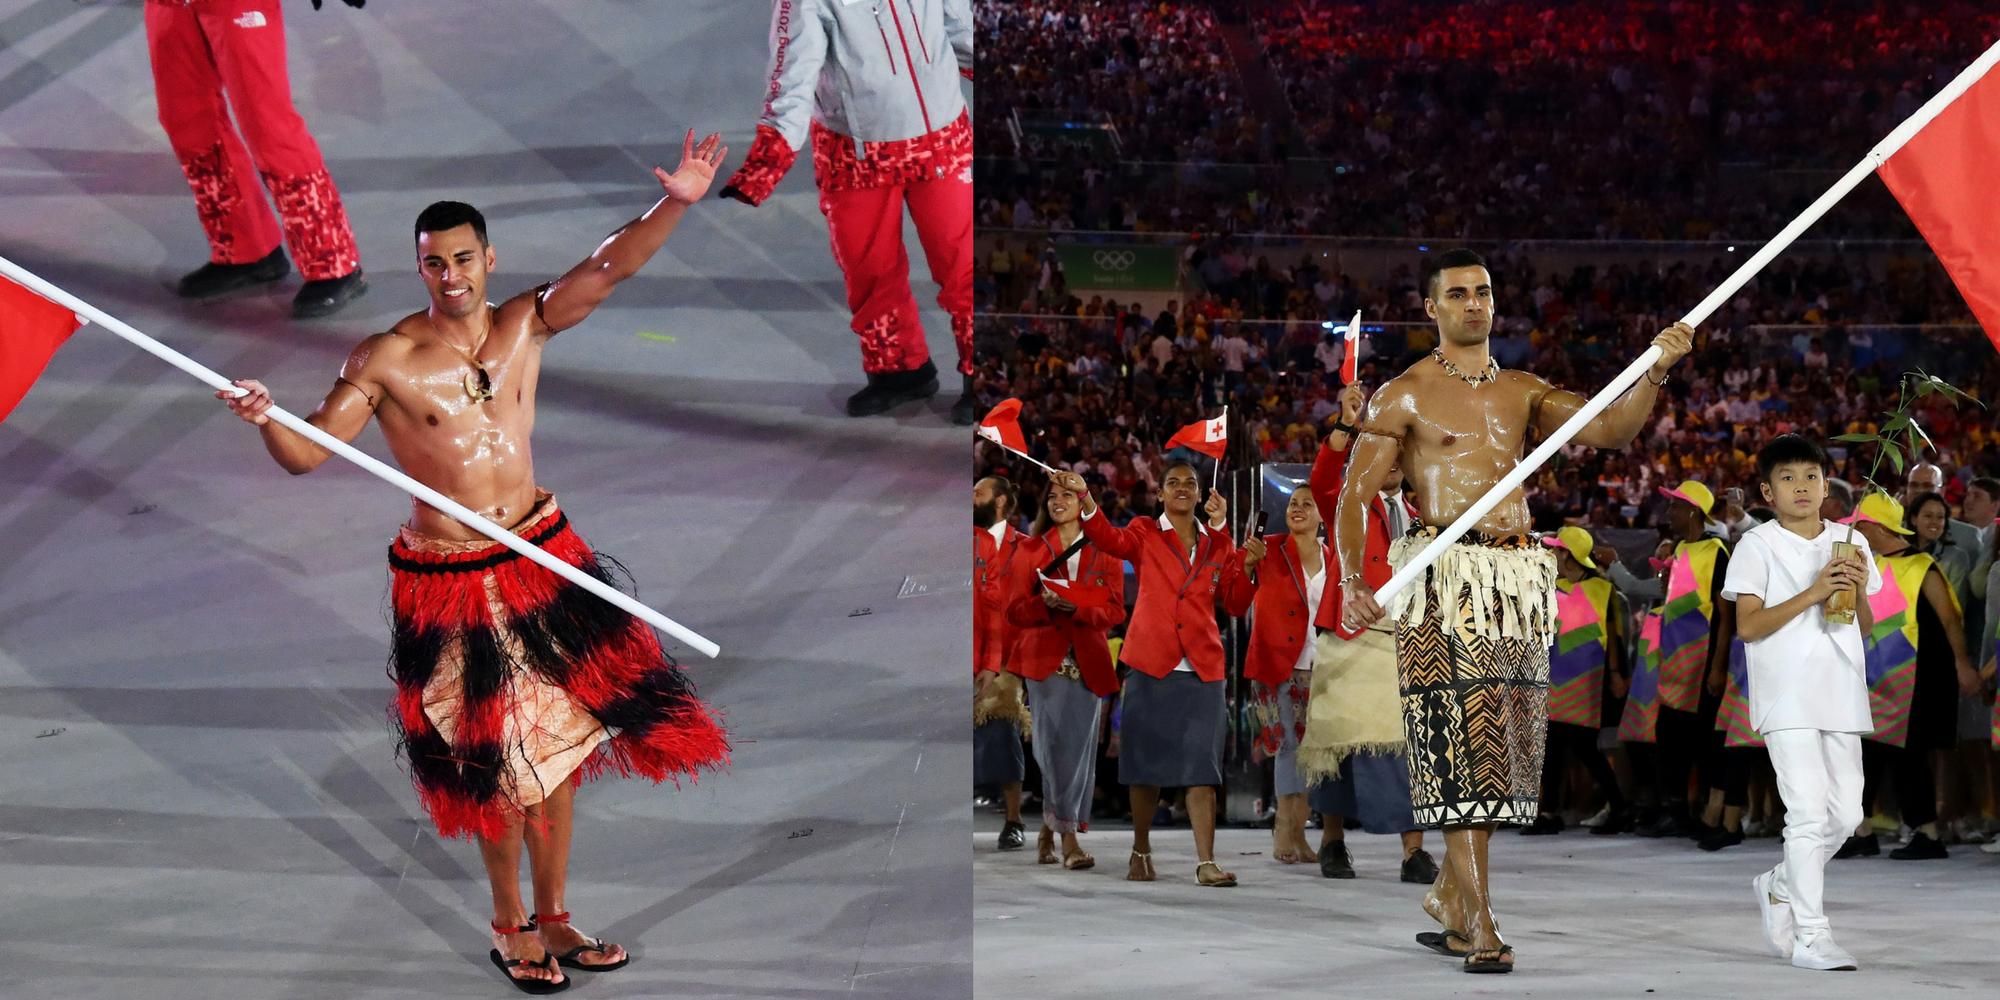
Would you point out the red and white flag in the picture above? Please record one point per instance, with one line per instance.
(1206, 436)
(31, 328)
(1002, 426)
(1350, 364)
(1076, 593)
(1945, 177)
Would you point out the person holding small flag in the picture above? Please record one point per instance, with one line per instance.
(1067, 595)
(1174, 714)
(1352, 751)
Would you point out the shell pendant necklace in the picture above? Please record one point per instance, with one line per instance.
(478, 383)
(1490, 374)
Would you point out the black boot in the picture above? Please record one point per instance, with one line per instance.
(213, 279)
(325, 297)
(1420, 867)
(1334, 861)
(890, 389)
(966, 410)
(1012, 835)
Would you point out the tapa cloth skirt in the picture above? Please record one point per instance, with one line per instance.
(1472, 659)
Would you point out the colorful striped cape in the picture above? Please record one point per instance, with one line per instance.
(1577, 658)
(1733, 717)
(1892, 646)
(1685, 620)
(1642, 702)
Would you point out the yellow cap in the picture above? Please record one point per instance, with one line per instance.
(1695, 493)
(1577, 541)
(1882, 509)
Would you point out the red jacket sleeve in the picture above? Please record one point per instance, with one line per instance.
(1328, 475)
(1122, 543)
(1241, 590)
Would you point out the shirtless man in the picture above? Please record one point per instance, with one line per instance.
(1454, 424)
(453, 388)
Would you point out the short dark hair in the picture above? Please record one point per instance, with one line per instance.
(1786, 449)
(1987, 485)
(1180, 463)
(442, 215)
(1458, 257)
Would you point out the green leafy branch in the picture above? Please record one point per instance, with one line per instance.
(1900, 432)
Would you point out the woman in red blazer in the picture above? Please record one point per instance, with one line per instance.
(1173, 715)
(1286, 586)
(1065, 659)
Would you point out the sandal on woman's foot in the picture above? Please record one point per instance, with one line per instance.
(1140, 868)
(569, 960)
(1441, 943)
(1078, 861)
(1045, 848)
(538, 987)
(1498, 963)
(1223, 879)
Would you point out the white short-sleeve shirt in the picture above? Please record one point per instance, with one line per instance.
(1808, 674)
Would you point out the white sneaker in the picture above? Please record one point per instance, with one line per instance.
(1822, 954)
(1603, 816)
(1777, 913)
(1992, 848)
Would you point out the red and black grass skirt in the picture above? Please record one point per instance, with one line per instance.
(511, 679)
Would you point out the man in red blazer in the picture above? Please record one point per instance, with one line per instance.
(1174, 715)
(998, 708)
(1371, 787)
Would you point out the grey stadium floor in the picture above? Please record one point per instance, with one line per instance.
(1590, 918)
(198, 796)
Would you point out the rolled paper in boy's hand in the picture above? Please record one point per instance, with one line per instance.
(1840, 607)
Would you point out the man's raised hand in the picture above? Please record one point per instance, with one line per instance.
(250, 407)
(1674, 342)
(697, 169)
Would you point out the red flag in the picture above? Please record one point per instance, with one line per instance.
(1205, 436)
(1078, 594)
(31, 328)
(1944, 176)
(1002, 426)
(1350, 360)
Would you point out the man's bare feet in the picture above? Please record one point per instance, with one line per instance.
(576, 950)
(526, 946)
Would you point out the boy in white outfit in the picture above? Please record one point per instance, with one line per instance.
(1808, 689)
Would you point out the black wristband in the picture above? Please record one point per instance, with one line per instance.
(1344, 428)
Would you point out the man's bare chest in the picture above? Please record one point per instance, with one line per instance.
(1455, 419)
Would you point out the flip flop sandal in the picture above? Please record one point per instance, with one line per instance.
(568, 959)
(1144, 871)
(1440, 942)
(538, 987)
(1227, 880)
(1493, 964)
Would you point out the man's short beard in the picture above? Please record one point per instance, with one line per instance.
(985, 515)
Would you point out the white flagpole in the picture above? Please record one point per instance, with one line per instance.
(1868, 165)
(1023, 454)
(343, 449)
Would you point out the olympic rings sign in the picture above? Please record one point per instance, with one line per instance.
(1114, 260)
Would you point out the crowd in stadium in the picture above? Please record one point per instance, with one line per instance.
(1485, 120)
(1105, 385)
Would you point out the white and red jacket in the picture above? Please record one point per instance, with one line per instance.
(992, 585)
(1174, 618)
(1284, 624)
(1328, 475)
(881, 77)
